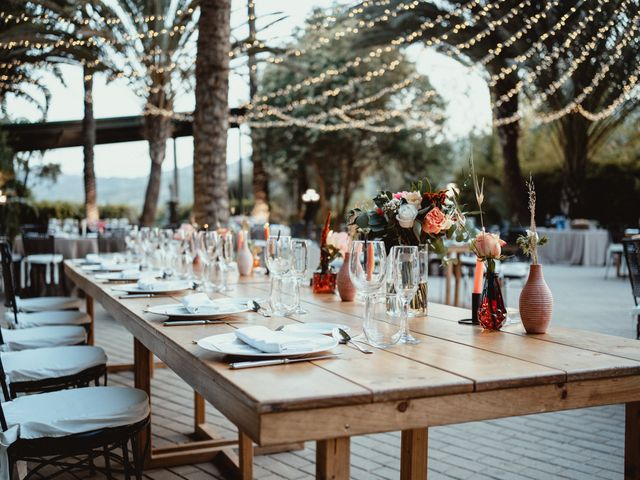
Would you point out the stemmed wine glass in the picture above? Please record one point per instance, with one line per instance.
(367, 268)
(278, 259)
(406, 279)
(299, 266)
(225, 255)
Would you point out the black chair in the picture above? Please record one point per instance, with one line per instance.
(36, 304)
(97, 421)
(632, 256)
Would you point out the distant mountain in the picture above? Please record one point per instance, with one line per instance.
(119, 190)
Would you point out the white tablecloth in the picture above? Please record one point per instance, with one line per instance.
(574, 247)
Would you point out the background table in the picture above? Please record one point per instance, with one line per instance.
(574, 247)
(67, 246)
(457, 374)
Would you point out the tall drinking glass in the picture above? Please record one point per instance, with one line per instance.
(299, 267)
(367, 268)
(225, 255)
(278, 259)
(406, 279)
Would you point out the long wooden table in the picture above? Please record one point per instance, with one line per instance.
(458, 373)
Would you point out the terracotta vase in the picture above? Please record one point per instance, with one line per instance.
(536, 302)
(346, 289)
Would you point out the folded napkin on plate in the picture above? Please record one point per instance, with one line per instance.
(269, 341)
(93, 258)
(150, 284)
(199, 303)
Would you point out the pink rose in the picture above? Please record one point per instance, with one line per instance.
(436, 222)
(489, 245)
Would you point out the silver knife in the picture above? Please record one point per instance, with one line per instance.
(279, 361)
(176, 323)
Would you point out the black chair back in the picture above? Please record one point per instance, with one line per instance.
(37, 243)
(632, 255)
(7, 276)
(5, 393)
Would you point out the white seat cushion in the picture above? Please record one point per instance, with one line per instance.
(40, 304)
(42, 337)
(44, 319)
(67, 412)
(44, 258)
(56, 362)
(514, 269)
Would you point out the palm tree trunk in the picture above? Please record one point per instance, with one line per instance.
(210, 122)
(509, 134)
(260, 174)
(88, 141)
(157, 130)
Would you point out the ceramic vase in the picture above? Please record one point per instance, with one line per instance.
(492, 312)
(536, 302)
(244, 258)
(346, 289)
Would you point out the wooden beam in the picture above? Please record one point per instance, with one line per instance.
(413, 454)
(333, 459)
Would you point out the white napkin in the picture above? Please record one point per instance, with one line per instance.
(93, 258)
(130, 273)
(151, 284)
(199, 303)
(269, 341)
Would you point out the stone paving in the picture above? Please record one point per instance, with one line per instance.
(584, 444)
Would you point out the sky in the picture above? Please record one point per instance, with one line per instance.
(465, 92)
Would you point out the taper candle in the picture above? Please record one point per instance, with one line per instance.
(477, 278)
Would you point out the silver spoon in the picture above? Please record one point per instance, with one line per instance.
(344, 338)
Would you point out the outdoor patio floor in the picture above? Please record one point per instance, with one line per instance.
(582, 444)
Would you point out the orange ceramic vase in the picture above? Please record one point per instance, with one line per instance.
(536, 302)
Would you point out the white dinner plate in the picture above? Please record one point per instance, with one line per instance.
(109, 267)
(319, 328)
(224, 307)
(122, 277)
(168, 287)
(229, 344)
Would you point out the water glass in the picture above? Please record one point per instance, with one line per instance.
(367, 268)
(406, 279)
(278, 259)
(299, 268)
(226, 253)
(384, 329)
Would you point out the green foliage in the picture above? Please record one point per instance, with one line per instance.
(336, 162)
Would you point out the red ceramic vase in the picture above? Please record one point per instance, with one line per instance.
(492, 312)
(536, 302)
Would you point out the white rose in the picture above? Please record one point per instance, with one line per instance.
(414, 198)
(407, 214)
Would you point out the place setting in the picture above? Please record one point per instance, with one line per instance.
(150, 286)
(199, 309)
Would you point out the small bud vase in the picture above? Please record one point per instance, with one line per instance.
(492, 312)
(346, 289)
(536, 302)
(324, 282)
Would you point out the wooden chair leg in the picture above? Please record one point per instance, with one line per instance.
(333, 459)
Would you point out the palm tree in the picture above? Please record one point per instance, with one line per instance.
(210, 123)
(156, 40)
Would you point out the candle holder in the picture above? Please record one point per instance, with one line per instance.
(475, 303)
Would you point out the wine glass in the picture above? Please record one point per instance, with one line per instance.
(406, 279)
(367, 268)
(299, 266)
(277, 256)
(225, 256)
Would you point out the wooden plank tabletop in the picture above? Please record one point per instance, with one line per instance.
(451, 360)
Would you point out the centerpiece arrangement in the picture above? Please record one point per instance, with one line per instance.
(536, 301)
(418, 217)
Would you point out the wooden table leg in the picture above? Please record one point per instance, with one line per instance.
(246, 457)
(414, 454)
(333, 459)
(199, 412)
(142, 380)
(90, 312)
(632, 441)
(447, 283)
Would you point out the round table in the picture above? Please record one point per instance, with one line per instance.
(574, 247)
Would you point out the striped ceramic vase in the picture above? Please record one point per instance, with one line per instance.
(536, 302)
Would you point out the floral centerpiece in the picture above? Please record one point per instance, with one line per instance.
(492, 312)
(536, 301)
(415, 217)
